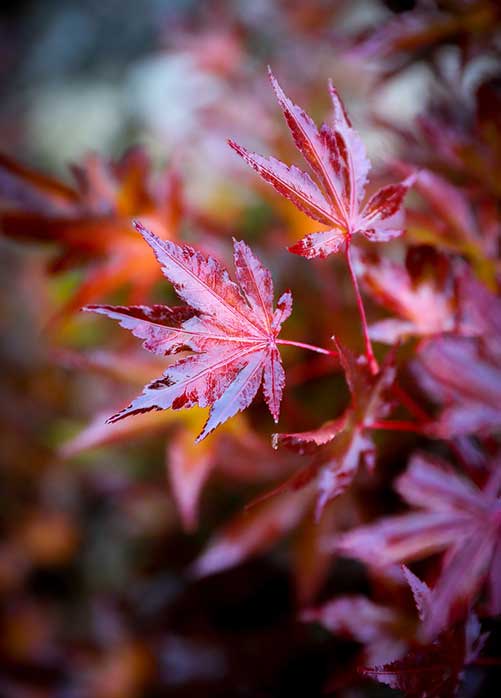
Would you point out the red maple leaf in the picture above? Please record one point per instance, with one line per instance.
(424, 300)
(89, 222)
(337, 158)
(393, 652)
(343, 443)
(230, 328)
(455, 516)
(435, 669)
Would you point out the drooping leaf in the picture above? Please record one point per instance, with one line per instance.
(230, 328)
(346, 442)
(452, 515)
(337, 158)
(253, 531)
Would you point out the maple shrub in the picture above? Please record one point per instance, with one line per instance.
(426, 530)
(228, 337)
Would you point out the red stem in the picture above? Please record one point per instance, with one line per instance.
(395, 425)
(311, 347)
(410, 404)
(373, 365)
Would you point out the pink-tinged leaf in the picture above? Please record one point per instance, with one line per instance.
(463, 575)
(386, 202)
(319, 244)
(188, 467)
(480, 315)
(201, 282)
(291, 182)
(343, 444)
(378, 628)
(435, 668)
(391, 331)
(400, 538)
(432, 484)
(99, 432)
(455, 516)
(230, 328)
(426, 304)
(459, 373)
(337, 158)
(383, 216)
(253, 531)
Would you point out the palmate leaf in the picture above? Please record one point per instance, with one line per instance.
(89, 222)
(434, 670)
(393, 652)
(425, 302)
(230, 329)
(337, 158)
(342, 444)
(453, 515)
(463, 373)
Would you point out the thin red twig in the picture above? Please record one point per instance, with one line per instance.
(373, 364)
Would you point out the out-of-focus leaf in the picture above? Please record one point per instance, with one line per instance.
(423, 296)
(90, 222)
(344, 442)
(453, 515)
(254, 531)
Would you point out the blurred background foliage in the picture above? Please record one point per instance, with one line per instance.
(97, 592)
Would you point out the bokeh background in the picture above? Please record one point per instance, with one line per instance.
(98, 596)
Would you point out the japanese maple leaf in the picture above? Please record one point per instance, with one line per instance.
(463, 373)
(380, 629)
(419, 33)
(458, 374)
(434, 669)
(254, 531)
(453, 515)
(337, 158)
(230, 328)
(89, 220)
(392, 652)
(422, 293)
(265, 523)
(235, 450)
(341, 444)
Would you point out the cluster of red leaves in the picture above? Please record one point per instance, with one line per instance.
(223, 346)
(231, 332)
